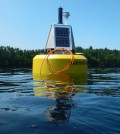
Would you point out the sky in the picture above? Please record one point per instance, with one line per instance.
(25, 24)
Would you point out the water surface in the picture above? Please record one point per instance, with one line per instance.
(79, 105)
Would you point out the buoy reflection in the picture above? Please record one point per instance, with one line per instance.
(60, 88)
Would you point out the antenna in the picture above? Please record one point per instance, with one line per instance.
(66, 15)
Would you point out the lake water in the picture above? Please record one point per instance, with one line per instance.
(73, 106)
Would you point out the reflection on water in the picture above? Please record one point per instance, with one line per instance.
(60, 88)
(61, 78)
(60, 103)
(62, 108)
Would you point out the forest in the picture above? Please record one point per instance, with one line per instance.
(16, 58)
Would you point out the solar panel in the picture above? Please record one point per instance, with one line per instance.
(62, 37)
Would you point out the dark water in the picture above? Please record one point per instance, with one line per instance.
(30, 106)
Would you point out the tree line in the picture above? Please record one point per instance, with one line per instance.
(101, 57)
(14, 57)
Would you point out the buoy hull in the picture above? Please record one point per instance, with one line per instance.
(58, 63)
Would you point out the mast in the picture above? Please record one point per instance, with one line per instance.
(60, 14)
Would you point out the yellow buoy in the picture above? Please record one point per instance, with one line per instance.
(60, 54)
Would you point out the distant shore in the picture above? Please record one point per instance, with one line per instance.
(17, 58)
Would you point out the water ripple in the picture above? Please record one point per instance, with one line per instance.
(42, 106)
